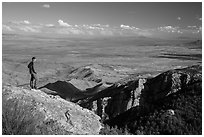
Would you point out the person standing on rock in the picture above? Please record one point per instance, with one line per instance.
(33, 73)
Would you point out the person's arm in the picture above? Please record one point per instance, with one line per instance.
(33, 70)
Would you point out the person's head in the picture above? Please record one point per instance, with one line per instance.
(33, 59)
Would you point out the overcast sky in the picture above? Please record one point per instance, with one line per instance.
(104, 19)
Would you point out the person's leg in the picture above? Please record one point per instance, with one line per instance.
(35, 81)
(34, 84)
(31, 81)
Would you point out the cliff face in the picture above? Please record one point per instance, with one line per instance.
(125, 99)
(142, 92)
(169, 83)
(170, 103)
(115, 99)
(65, 115)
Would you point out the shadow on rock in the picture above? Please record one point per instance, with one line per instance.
(64, 89)
(68, 91)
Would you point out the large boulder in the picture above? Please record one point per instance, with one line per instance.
(65, 115)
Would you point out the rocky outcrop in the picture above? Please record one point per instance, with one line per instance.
(170, 103)
(65, 115)
(125, 99)
(142, 92)
(116, 99)
(169, 83)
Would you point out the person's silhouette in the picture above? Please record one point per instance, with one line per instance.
(33, 79)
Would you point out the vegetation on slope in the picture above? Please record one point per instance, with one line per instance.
(107, 130)
(18, 119)
(186, 120)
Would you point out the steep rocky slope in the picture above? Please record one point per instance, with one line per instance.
(142, 92)
(117, 98)
(170, 103)
(66, 116)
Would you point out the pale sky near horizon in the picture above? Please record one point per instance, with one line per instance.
(126, 18)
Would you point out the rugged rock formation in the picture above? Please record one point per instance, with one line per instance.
(65, 115)
(141, 92)
(170, 103)
(116, 99)
(169, 83)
